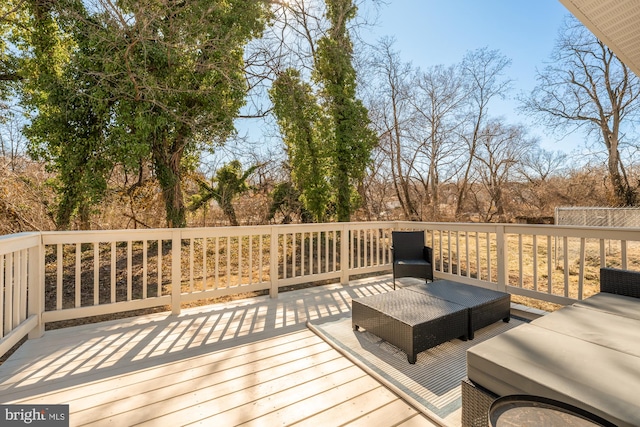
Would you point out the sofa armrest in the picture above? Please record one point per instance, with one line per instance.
(620, 282)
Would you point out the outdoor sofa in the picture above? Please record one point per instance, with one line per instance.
(586, 355)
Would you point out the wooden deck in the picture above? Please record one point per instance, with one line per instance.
(250, 362)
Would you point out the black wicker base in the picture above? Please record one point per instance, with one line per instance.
(476, 402)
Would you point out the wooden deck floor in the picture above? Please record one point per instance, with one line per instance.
(251, 362)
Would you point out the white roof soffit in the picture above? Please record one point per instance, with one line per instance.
(615, 22)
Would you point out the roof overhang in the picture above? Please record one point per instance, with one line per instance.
(615, 22)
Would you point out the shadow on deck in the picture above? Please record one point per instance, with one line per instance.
(247, 361)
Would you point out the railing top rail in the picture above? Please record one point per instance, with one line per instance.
(97, 236)
(613, 233)
(52, 237)
(91, 236)
(17, 242)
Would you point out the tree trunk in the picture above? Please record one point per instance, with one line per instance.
(623, 193)
(462, 191)
(228, 209)
(167, 167)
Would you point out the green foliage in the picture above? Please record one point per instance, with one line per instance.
(151, 76)
(68, 130)
(299, 118)
(230, 182)
(11, 16)
(353, 140)
(327, 135)
(286, 199)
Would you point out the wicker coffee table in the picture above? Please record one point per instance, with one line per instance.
(485, 305)
(412, 321)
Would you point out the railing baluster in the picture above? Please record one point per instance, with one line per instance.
(23, 284)
(228, 273)
(318, 259)
(371, 247)
(468, 254)
(8, 289)
(328, 244)
(623, 254)
(549, 266)
(581, 274)
(78, 275)
(535, 262)
(191, 259)
(216, 283)
(250, 259)
(176, 271)
(457, 254)
(145, 268)
(335, 250)
(60, 264)
(113, 271)
(3, 289)
(440, 235)
(204, 263)
(565, 252)
(96, 273)
(159, 263)
(294, 257)
(240, 259)
(15, 310)
(285, 253)
(478, 266)
(520, 261)
(311, 253)
(129, 270)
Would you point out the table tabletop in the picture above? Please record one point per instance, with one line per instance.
(523, 411)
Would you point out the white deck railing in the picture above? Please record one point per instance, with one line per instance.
(53, 276)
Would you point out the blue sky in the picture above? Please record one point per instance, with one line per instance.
(431, 32)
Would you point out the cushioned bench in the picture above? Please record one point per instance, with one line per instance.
(586, 355)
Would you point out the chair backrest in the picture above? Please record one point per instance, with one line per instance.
(407, 244)
(621, 282)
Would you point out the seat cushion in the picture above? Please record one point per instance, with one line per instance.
(615, 304)
(598, 327)
(537, 361)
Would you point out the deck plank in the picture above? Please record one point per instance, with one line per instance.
(250, 362)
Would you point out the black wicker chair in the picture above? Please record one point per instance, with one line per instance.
(411, 258)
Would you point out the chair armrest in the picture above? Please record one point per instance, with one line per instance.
(428, 254)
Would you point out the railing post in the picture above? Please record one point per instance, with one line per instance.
(35, 283)
(344, 254)
(274, 262)
(503, 258)
(176, 271)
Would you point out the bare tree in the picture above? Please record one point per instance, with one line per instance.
(392, 115)
(538, 171)
(438, 101)
(499, 150)
(13, 144)
(483, 72)
(587, 87)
